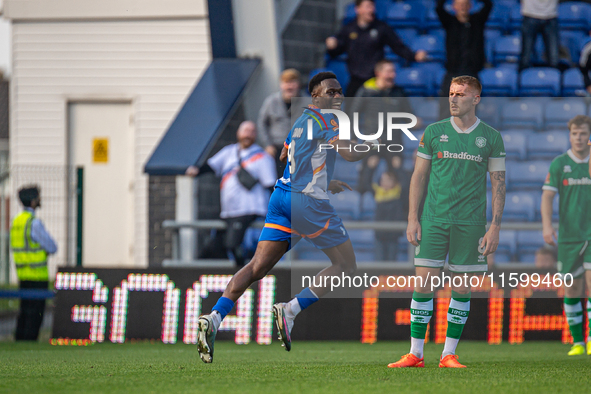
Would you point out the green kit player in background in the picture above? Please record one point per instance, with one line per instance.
(569, 177)
(457, 153)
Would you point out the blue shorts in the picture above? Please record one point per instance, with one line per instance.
(316, 220)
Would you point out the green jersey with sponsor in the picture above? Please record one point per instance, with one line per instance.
(569, 177)
(456, 192)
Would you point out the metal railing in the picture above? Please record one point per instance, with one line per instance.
(175, 226)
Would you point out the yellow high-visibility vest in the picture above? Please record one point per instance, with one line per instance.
(29, 257)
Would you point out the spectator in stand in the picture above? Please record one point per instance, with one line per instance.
(274, 120)
(384, 96)
(464, 43)
(242, 203)
(390, 206)
(546, 258)
(585, 65)
(539, 16)
(363, 40)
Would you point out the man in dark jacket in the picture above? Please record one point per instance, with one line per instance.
(464, 42)
(363, 40)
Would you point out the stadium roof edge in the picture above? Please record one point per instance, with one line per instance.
(202, 117)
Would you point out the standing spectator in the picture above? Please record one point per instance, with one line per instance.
(274, 120)
(384, 96)
(363, 40)
(240, 205)
(539, 16)
(30, 244)
(390, 206)
(464, 42)
(585, 65)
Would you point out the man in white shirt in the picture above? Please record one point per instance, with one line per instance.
(539, 17)
(240, 205)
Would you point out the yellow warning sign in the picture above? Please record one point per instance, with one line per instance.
(100, 150)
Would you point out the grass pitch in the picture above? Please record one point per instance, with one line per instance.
(311, 367)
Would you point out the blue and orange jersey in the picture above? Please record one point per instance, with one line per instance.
(309, 166)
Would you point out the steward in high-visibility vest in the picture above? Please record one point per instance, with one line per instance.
(29, 257)
(30, 244)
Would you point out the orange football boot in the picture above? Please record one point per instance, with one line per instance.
(408, 361)
(450, 361)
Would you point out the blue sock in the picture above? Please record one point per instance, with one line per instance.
(224, 306)
(306, 298)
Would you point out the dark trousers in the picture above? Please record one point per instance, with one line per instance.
(31, 313)
(530, 28)
(229, 239)
(354, 84)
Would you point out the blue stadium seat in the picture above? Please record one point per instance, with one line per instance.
(490, 36)
(489, 111)
(555, 207)
(368, 207)
(528, 241)
(507, 246)
(427, 110)
(559, 112)
(346, 204)
(572, 40)
(498, 18)
(439, 33)
(434, 46)
(340, 69)
(364, 244)
(346, 171)
(407, 35)
(516, 143)
(507, 49)
(414, 81)
(574, 16)
(382, 7)
(516, 18)
(540, 81)
(436, 72)
(522, 114)
(572, 83)
(527, 175)
(519, 207)
(349, 13)
(499, 82)
(547, 145)
(406, 14)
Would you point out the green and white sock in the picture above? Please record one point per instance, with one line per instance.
(421, 310)
(573, 309)
(457, 315)
(589, 317)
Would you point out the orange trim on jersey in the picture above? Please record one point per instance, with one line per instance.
(317, 170)
(244, 163)
(317, 233)
(285, 145)
(333, 139)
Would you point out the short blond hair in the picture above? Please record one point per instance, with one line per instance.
(290, 75)
(472, 82)
(579, 120)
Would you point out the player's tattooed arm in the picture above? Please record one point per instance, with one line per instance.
(497, 180)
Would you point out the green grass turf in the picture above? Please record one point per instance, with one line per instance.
(311, 367)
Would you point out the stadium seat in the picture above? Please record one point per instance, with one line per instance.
(427, 110)
(368, 207)
(516, 18)
(499, 82)
(439, 33)
(490, 36)
(414, 81)
(516, 143)
(539, 81)
(434, 46)
(538, 206)
(407, 35)
(547, 145)
(350, 15)
(432, 19)
(507, 243)
(572, 40)
(507, 49)
(522, 114)
(574, 16)
(527, 175)
(489, 111)
(498, 18)
(528, 241)
(406, 14)
(364, 244)
(346, 204)
(340, 69)
(436, 72)
(572, 83)
(519, 207)
(559, 112)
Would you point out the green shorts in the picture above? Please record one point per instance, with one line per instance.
(574, 258)
(462, 242)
